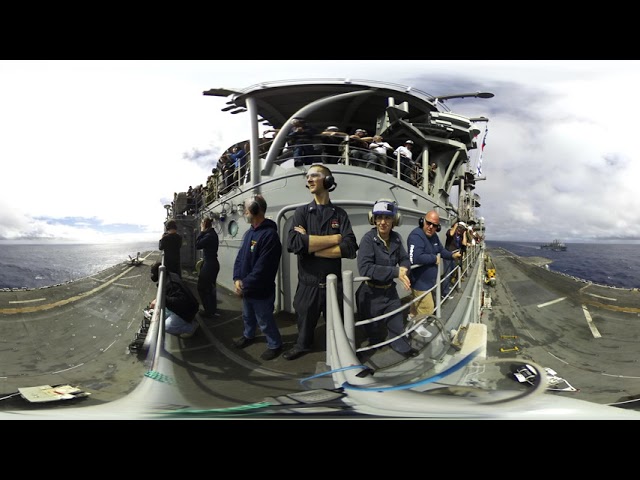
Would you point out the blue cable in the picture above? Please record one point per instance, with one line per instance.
(437, 377)
(330, 372)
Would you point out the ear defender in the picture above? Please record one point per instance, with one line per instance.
(329, 183)
(385, 207)
(258, 203)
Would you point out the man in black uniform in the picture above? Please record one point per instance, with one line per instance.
(321, 235)
(171, 242)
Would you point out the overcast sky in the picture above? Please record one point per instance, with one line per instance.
(92, 150)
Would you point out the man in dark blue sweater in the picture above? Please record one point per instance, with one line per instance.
(254, 274)
(425, 249)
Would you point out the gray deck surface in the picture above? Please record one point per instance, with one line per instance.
(78, 333)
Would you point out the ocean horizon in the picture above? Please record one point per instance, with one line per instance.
(32, 264)
(611, 264)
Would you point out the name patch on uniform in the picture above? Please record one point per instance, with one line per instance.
(335, 223)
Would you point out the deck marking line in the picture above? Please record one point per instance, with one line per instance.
(594, 330)
(600, 296)
(551, 302)
(27, 301)
(11, 311)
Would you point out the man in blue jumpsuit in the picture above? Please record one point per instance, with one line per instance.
(321, 235)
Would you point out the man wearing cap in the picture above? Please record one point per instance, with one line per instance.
(406, 160)
(383, 258)
(377, 158)
(456, 241)
(358, 148)
(332, 137)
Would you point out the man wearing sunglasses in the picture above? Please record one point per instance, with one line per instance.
(423, 246)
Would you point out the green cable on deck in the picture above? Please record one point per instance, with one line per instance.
(161, 377)
(244, 409)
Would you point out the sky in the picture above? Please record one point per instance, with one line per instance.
(91, 151)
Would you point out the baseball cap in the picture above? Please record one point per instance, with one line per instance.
(462, 224)
(384, 207)
(332, 129)
(409, 141)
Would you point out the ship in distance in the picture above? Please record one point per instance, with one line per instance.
(501, 315)
(556, 246)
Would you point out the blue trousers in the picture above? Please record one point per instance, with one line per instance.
(259, 312)
(175, 324)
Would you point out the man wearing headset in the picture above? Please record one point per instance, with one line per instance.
(254, 277)
(424, 246)
(383, 258)
(321, 236)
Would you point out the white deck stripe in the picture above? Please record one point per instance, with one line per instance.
(27, 301)
(594, 330)
(551, 302)
(600, 296)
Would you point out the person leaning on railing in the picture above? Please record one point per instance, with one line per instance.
(425, 249)
(358, 146)
(383, 258)
(301, 138)
(331, 138)
(377, 157)
(406, 161)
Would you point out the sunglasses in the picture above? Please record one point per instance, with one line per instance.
(431, 224)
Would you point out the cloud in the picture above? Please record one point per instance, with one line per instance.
(93, 150)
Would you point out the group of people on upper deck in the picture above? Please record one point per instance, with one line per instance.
(307, 146)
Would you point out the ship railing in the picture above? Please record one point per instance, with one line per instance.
(400, 398)
(469, 260)
(344, 154)
(221, 183)
(154, 341)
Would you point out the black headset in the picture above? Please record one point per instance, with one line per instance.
(256, 204)
(329, 183)
(421, 224)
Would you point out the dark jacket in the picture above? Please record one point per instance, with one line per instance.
(179, 299)
(378, 263)
(313, 270)
(171, 243)
(207, 241)
(423, 251)
(258, 260)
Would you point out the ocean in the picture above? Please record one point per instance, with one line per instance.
(613, 264)
(42, 265)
